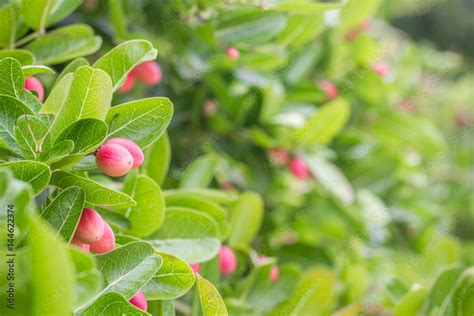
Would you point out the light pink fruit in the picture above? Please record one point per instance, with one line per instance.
(139, 300)
(149, 73)
(381, 68)
(227, 261)
(274, 273)
(278, 156)
(210, 108)
(356, 30)
(329, 88)
(114, 160)
(84, 247)
(195, 267)
(106, 243)
(133, 148)
(233, 53)
(128, 84)
(90, 228)
(33, 84)
(299, 168)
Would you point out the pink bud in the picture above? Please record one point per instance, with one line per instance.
(227, 261)
(128, 84)
(278, 156)
(149, 73)
(90, 228)
(133, 148)
(233, 53)
(114, 160)
(139, 300)
(195, 267)
(329, 88)
(106, 243)
(33, 84)
(381, 68)
(84, 247)
(299, 168)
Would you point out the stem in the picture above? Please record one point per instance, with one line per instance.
(26, 39)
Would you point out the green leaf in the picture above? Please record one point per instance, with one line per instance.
(187, 234)
(411, 302)
(305, 7)
(8, 19)
(32, 70)
(23, 56)
(52, 271)
(65, 43)
(64, 211)
(88, 278)
(211, 300)
(96, 193)
(29, 133)
(123, 58)
(315, 295)
(301, 29)
(200, 172)
(90, 96)
(440, 290)
(59, 151)
(249, 25)
(245, 219)
(330, 177)
(147, 216)
(71, 68)
(61, 9)
(173, 280)
(461, 297)
(157, 159)
(162, 308)
(112, 303)
(322, 127)
(86, 134)
(58, 96)
(196, 202)
(12, 78)
(35, 173)
(216, 196)
(142, 121)
(128, 268)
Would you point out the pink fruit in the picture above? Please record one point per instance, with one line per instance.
(227, 261)
(149, 73)
(274, 273)
(356, 30)
(299, 168)
(233, 53)
(278, 156)
(90, 228)
(33, 84)
(106, 243)
(114, 160)
(329, 88)
(210, 108)
(381, 68)
(195, 267)
(84, 247)
(128, 84)
(133, 148)
(139, 300)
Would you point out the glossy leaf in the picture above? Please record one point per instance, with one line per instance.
(86, 134)
(12, 77)
(211, 301)
(112, 303)
(32, 70)
(30, 134)
(35, 173)
(245, 219)
(200, 172)
(158, 158)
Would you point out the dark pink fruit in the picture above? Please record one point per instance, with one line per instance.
(195, 267)
(233, 53)
(278, 156)
(133, 148)
(139, 300)
(84, 247)
(106, 243)
(114, 160)
(227, 261)
(90, 228)
(329, 88)
(299, 168)
(33, 84)
(149, 73)
(128, 84)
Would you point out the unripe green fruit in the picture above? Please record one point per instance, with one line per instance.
(132, 148)
(114, 160)
(106, 243)
(90, 228)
